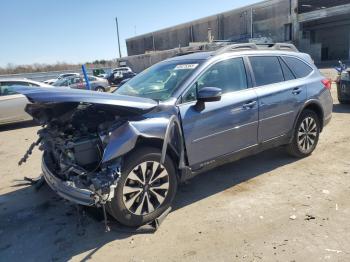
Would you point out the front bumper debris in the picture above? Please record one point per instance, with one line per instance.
(67, 189)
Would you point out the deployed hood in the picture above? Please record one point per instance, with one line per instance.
(62, 95)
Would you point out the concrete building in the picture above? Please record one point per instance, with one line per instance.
(318, 27)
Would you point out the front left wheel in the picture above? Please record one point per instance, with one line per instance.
(146, 188)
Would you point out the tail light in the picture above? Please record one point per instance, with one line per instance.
(327, 83)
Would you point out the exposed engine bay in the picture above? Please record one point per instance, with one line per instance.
(93, 143)
(73, 139)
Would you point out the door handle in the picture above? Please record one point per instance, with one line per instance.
(249, 105)
(296, 91)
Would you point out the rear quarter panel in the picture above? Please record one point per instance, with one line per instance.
(318, 93)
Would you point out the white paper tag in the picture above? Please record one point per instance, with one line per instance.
(185, 66)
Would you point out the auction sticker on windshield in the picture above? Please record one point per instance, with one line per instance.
(185, 66)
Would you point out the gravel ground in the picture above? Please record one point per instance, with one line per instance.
(267, 207)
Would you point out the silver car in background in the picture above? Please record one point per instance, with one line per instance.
(59, 77)
(78, 82)
(12, 104)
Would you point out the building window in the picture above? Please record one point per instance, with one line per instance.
(288, 32)
(305, 6)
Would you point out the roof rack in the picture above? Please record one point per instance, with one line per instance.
(254, 46)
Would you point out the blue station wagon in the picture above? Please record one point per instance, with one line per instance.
(128, 150)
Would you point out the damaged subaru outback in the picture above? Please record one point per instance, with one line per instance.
(128, 150)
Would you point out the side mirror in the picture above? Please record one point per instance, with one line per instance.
(209, 94)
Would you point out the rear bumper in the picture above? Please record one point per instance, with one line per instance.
(327, 120)
(67, 189)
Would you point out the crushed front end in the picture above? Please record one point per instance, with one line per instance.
(73, 139)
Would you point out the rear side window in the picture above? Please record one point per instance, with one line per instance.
(299, 68)
(288, 75)
(266, 69)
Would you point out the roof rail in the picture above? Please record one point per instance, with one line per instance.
(254, 46)
(285, 47)
(236, 47)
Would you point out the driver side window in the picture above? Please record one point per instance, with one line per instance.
(228, 75)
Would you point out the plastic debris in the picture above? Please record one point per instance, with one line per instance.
(293, 217)
(309, 217)
(325, 191)
(333, 250)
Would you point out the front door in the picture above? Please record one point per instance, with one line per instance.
(221, 127)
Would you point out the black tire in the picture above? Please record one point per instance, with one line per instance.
(340, 96)
(117, 207)
(298, 149)
(100, 89)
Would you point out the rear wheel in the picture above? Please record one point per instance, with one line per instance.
(306, 135)
(146, 188)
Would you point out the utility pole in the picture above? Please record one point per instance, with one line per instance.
(251, 23)
(116, 22)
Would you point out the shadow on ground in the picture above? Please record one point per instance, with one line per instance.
(38, 225)
(9, 127)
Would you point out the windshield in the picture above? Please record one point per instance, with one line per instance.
(61, 82)
(160, 81)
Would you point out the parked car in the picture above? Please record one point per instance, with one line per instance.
(343, 83)
(78, 82)
(123, 69)
(103, 75)
(129, 149)
(12, 104)
(115, 78)
(61, 76)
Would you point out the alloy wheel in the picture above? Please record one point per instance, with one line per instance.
(145, 188)
(307, 135)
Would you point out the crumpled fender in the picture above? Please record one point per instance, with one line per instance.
(123, 139)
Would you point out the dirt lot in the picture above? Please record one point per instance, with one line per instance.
(239, 212)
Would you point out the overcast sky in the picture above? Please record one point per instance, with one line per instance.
(47, 31)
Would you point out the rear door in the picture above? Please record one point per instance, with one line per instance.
(280, 96)
(225, 126)
(12, 104)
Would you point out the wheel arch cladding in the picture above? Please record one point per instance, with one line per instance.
(312, 105)
(156, 132)
(317, 108)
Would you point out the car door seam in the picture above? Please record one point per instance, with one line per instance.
(271, 117)
(224, 131)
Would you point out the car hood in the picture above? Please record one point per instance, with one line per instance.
(62, 95)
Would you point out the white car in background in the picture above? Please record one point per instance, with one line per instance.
(12, 104)
(123, 69)
(61, 76)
